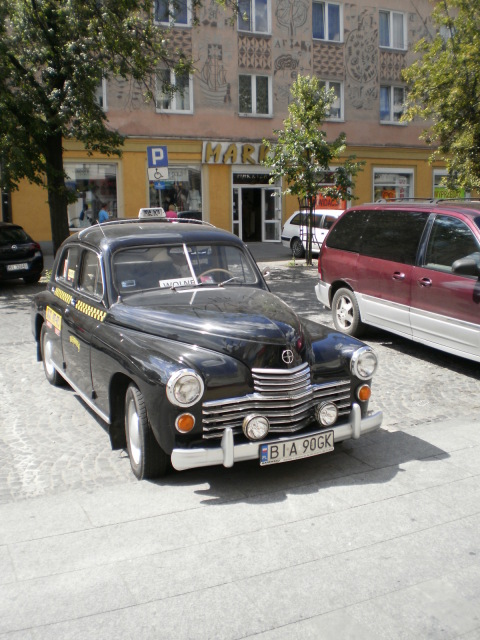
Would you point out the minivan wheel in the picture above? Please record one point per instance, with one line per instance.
(297, 249)
(346, 314)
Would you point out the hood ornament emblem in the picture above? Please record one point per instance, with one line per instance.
(287, 356)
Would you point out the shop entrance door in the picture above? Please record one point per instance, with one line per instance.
(257, 213)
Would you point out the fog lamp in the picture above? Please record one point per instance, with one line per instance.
(255, 427)
(326, 413)
(364, 392)
(184, 422)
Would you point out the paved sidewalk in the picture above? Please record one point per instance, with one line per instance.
(378, 540)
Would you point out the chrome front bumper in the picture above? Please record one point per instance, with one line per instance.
(228, 452)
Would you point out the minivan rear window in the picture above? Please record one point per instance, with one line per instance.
(385, 234)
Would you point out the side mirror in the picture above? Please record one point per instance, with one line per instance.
(468, 266)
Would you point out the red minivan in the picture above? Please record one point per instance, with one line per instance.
(410, 268)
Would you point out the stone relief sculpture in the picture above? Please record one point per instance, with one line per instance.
(361, 58)
(254, 53)
(213, 77)
(291, 15)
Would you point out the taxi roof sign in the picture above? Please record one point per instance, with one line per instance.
(152, 212)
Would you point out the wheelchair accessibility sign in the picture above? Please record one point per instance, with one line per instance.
(157, 163)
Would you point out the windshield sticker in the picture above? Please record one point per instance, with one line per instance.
(54, 319)
(177, 282)
(126, 284)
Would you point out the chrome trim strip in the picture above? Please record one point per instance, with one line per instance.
(85, 398)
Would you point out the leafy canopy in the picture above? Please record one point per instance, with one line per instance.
(444, 89)
(301, 155)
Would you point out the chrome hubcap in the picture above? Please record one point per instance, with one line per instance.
(134, 432)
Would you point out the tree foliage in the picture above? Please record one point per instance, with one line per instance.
(302, 156)
(53, 56)
(444, 89)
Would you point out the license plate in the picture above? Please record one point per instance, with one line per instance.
(17, 267)
(305, 447)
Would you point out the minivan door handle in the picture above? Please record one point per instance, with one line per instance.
(398, 275)
(424, 282)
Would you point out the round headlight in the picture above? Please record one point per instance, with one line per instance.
(363, 363)
(255, 427)
(326, 414)
(185, 388)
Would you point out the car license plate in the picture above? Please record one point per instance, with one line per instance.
(17, 267)
(305, 447)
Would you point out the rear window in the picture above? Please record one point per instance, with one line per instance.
(13, 235)
(347, 233)
(384, 234)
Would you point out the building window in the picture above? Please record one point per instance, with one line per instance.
(175, 12)
(440, 190)
(253, 15)
(392, 30)
(391, 184)
(392, 101)
(327, 21)
(254, 95)
(336, 109)
(95, 185)
(101, 94)
(173, 93)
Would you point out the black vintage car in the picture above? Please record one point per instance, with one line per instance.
(168, 331)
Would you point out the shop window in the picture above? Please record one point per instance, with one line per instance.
(336, 109)
(94, 184)
(254, 95)
(176, 12)
(440, 190)
(174, 92)
(101, 94)
(253, 15)
(390, 184)
(392, 100)
(392, 30)
(181, 192)
(327, 21)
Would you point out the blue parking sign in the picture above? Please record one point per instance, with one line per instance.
(157, 157)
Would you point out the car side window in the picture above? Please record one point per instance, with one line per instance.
(328, 221)
(347, 233)
(296, 220)
(90, 280)
(450, 239)
(394, 235)
(68, 266)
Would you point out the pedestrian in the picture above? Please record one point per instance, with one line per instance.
(103, 214)
(172, 211)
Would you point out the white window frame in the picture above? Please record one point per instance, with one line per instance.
(253, 19)
(327, 84)
(102, 93)
(171, 15)
(391, 16)
(395, 182)
(173, 99)
(327, 6)
(253, 90)
(392, 111)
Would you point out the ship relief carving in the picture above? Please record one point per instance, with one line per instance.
(213, 77)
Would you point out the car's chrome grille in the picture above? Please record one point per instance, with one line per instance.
(285, 396)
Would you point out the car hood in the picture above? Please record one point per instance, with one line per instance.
(238, 321)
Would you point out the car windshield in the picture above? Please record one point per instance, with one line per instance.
(172, 266)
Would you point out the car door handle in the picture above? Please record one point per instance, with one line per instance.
(424, 282)
(398, 275)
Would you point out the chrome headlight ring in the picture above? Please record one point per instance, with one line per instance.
(363, 363)
(185, 388)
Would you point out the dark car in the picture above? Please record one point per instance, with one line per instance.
(411, 267)
(168, 331)
(20, 256)
(191, 215)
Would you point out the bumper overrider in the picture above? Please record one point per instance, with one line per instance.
(228, 452)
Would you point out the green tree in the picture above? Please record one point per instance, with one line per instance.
(53, 57)
(301, 156)
(444, 89)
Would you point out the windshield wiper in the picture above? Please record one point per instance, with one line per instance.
(220, 284)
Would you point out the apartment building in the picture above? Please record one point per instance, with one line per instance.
(202, 149)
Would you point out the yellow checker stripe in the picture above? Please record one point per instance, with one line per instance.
(66, 297)
(88, 310)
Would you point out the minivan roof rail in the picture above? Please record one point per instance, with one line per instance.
(385, 200)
